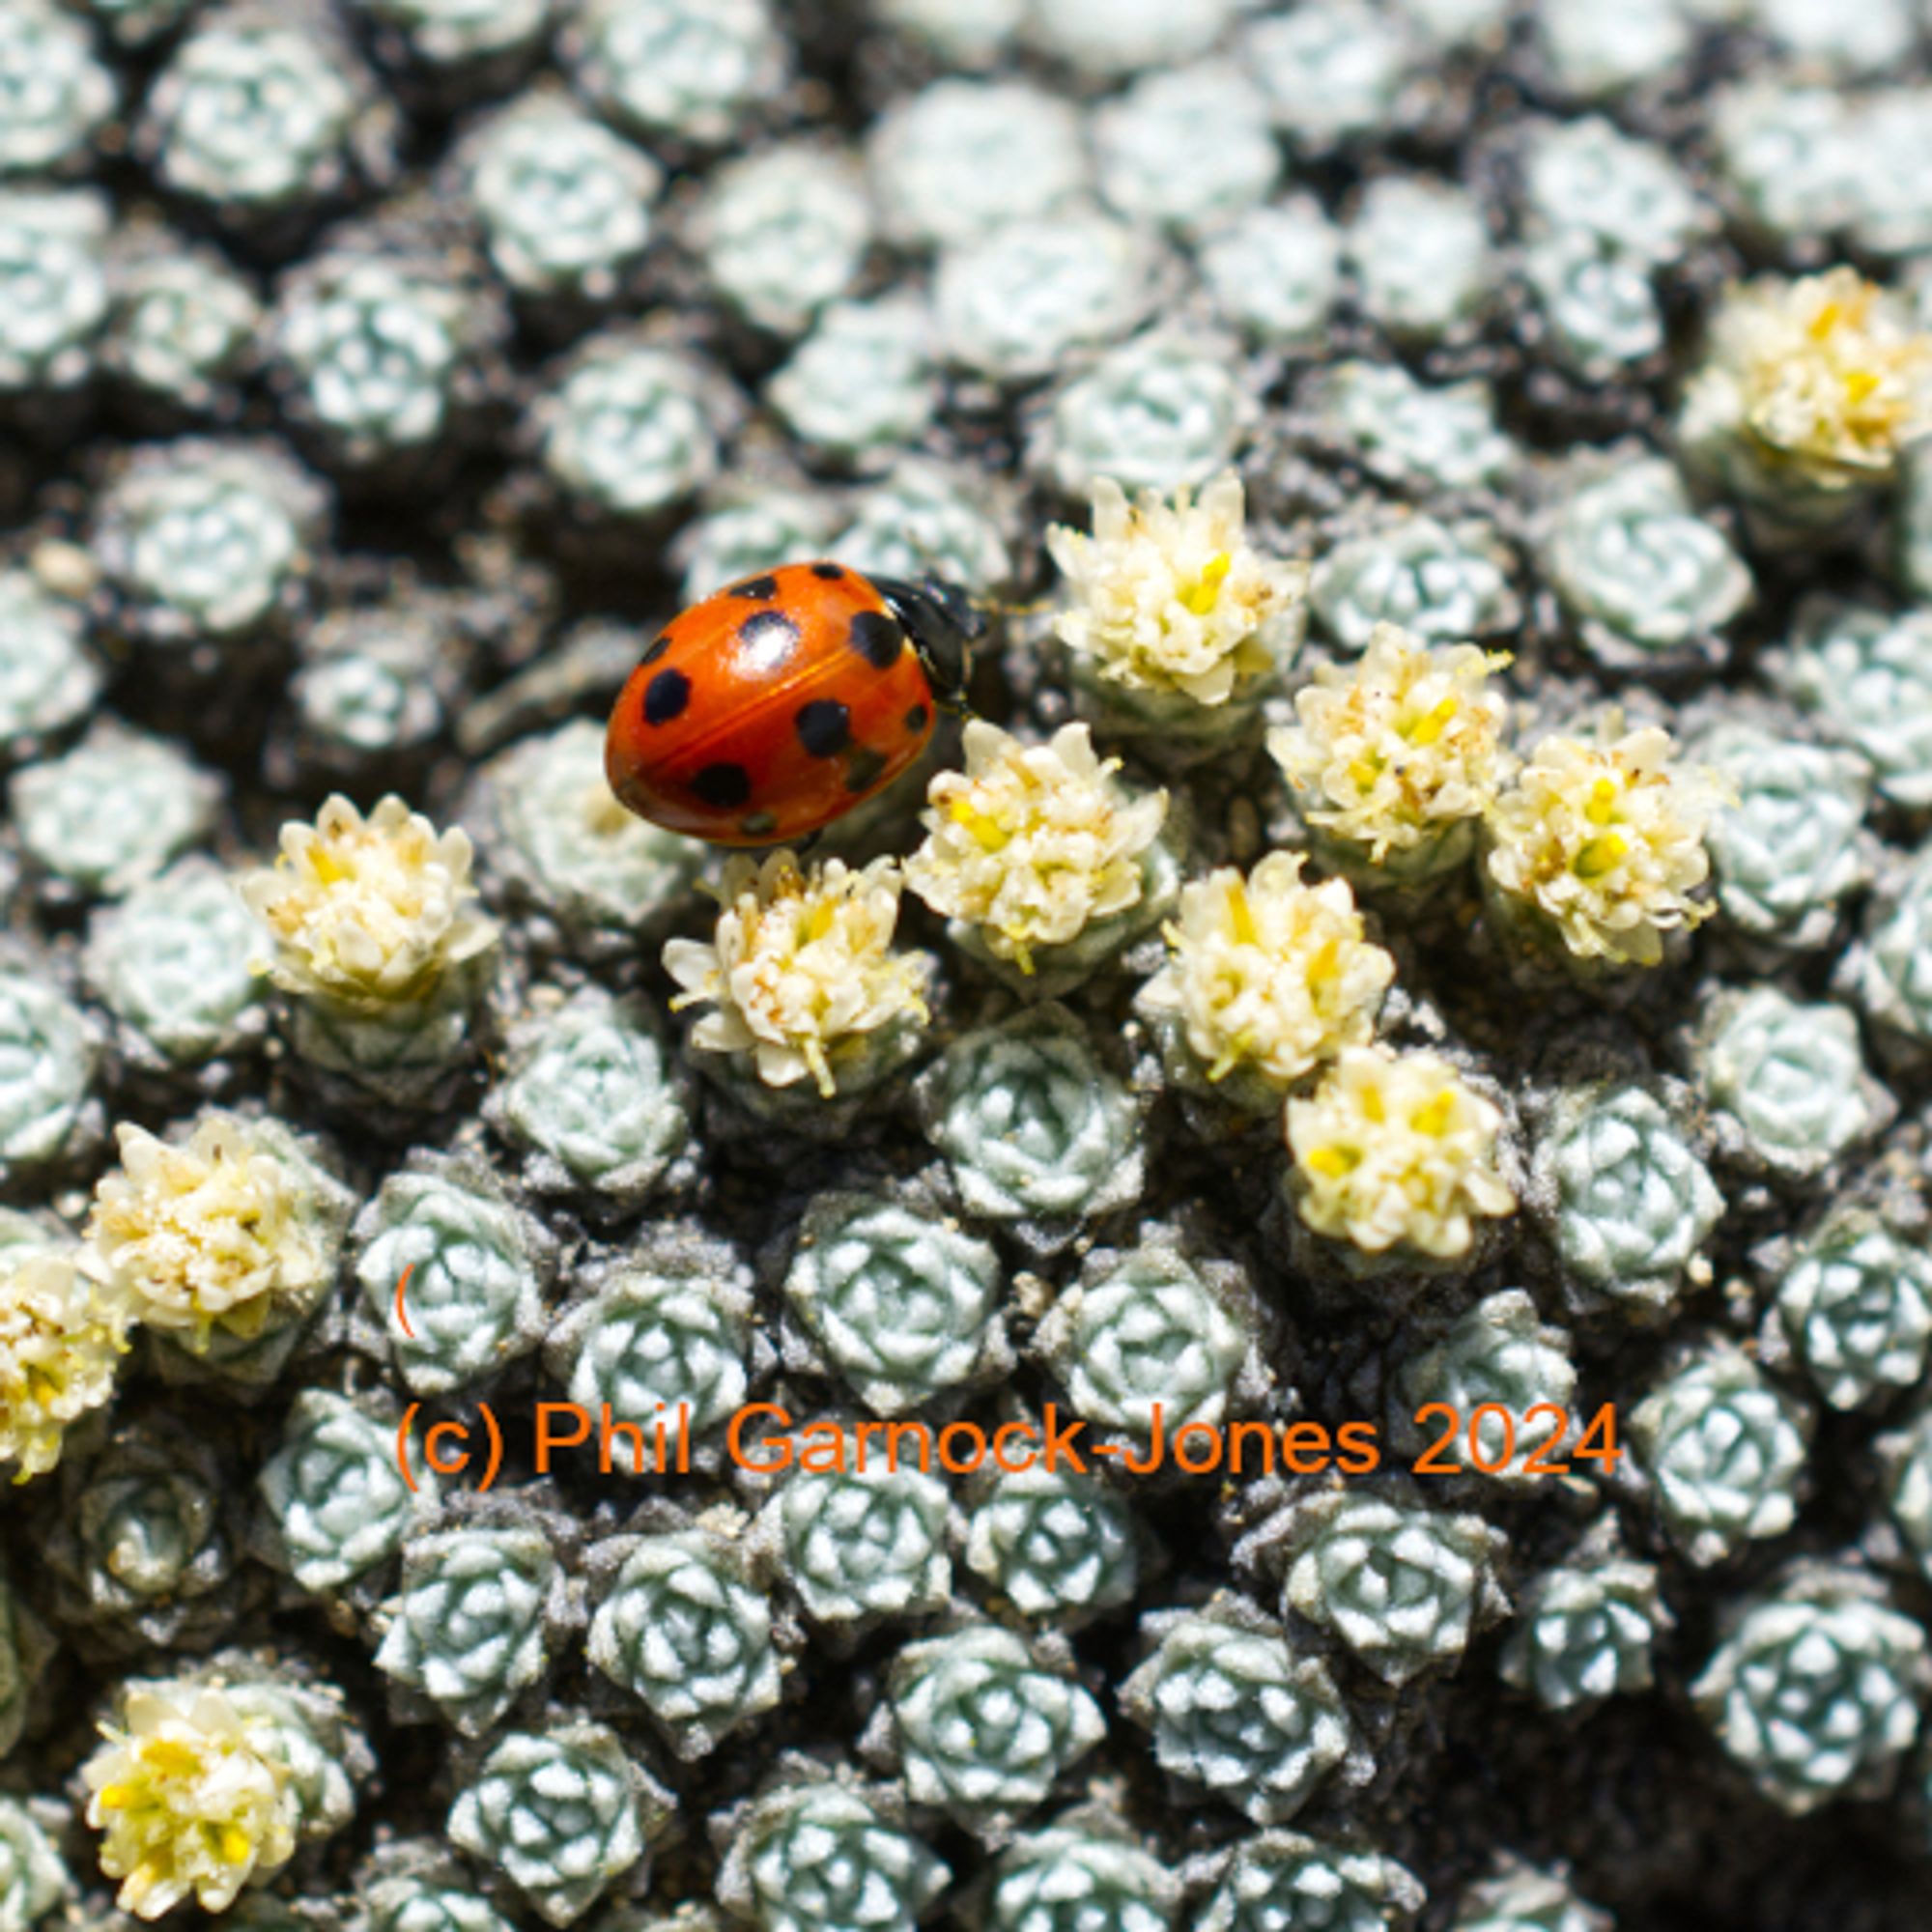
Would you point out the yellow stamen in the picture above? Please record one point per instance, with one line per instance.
(1426, 730)
(1331, 1162)
(1434, 1117)
(1602, 805)
(1600, 855)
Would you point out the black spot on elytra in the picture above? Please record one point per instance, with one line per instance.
(877, 638)
(915, 720)
(666, 696)
(759, 824)
(862, 769)
(831, 571)
(722, 785)
(824, 726)
(771, 634)
(659, 646)
(756, 589)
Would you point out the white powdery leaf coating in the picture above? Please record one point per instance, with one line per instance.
(1033, 844)
(1634, 1203)
(1033, 1125)
(784, 231)
(690, 68)
(1602, 312)
(1518, 1896)
(1723, 1448)
(1149, 1333)
(469, 1627)
(54, 93)
(1282, 1882)
(231, 1226)
(590, 1094)
(652, 1343)
(1626, 552)
(1056, 1543)
(1592, 55)
(1165, 411)
(800, 969)
(565, 204)
(114, 809)
(1890, 974)
(1905, 1461)
(1394, 1152)
(1866, 674)
(54, 284)
(1403, 1587)
(682, 1629)
(371, 913)
(1439, 583)
(1234, 1710)
(930, 518)
(46, 1065)
(983, 1729)
(193, 1798)
(1503, 1371)
(1809, 388)
(450, 32)
(558, 1812)
(1790, 847)
(1604, 839)
(1170, 596)
(250, 114)
(1788, 154)
(857, 1545)
(33, 1878)
(1187, 147)
(1409, 434)
(1841, 40)
(1584, 1630)
(628, 428)
(1817, 1690)
(1106, 38)
(62, 1337)
(1791, 1076)
(1420, 254)
(336, 1491)
(816, 1855)
(47, 680)
(1015, 303)
(1390, 753)
(903, 1306)
(475, 1296)
(1630, 196)
(1331, 69)
(1067, 1877)
(1274, 272)
(1268, 974)
(183, 326)
(965, 156)
(862, 385)
(1857, 1304)
(373, 346)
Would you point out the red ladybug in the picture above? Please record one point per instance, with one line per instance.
(779, 703)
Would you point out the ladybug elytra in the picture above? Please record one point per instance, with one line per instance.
(781, 702)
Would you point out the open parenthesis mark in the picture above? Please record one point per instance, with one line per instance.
(403, 1426)
(402, 1313)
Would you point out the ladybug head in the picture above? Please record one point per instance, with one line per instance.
(944, 627)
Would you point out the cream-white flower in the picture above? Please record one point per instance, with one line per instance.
(1394, 1150)
(1173, 597)
(373, 912)
(1268, 972)
(203, 1234)
(188, 1801)
(1032, 844)
(1606, 840)
(1829, 375)
(801, 966)
(1394, 750)
(62, 1337)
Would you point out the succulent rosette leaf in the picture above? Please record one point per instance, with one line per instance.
(1285, 1882)
(1081, 1876)
(1056, 1544)
(1585, 1627)
(857, 1545)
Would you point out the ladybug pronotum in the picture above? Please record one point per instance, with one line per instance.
(778, 704)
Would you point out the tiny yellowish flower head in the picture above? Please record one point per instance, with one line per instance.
(1828, 372)
(1032, 844)
(189, 1804)
(1172, 597)
(800, 965)
(1394, 1150)
(1392, 751)
(1269, 973)
(369, 911)
(62, 1337)
(1606, 840)
(208, 1234)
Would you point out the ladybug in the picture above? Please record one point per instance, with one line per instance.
(781, 702)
